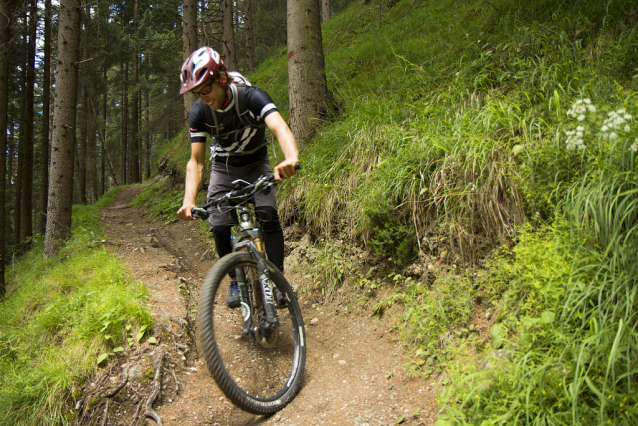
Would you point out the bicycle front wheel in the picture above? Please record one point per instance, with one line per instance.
(260, 374)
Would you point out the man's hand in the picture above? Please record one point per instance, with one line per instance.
(185, 211)
(285, 169)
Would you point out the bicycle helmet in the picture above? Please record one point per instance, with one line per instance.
(200, 66)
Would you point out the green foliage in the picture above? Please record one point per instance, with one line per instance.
(160, 202)
(58, 317)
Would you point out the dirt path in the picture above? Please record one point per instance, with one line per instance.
(353, 371)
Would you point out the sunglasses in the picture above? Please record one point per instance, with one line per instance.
(204, 90)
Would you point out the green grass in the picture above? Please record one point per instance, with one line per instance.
(458, 117)
(59, 316)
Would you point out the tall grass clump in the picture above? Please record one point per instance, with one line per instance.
(572, 352)
(60, 318)
(445, 113)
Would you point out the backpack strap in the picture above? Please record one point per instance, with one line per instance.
(239, 91)
(211, 121)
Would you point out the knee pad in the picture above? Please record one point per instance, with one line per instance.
(268, 218)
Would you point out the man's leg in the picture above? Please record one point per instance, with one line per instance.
(274, 242)
(273, 234)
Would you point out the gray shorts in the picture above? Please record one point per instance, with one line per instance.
(221, 178)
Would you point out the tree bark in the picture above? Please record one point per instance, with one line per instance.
(189, 39)
(228, 52)
(148, 134)
(61, 182)
(250, 46)
(104, 112)
(26, 208)
(19, 172)
(325, 10)
(124, 125)
(307, 87)
(83, 127)
(135, 144)
(5, 37)
(46, 99)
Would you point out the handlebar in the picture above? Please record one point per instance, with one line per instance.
(240, 195)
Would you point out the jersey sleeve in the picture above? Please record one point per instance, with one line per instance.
(197, 123)
(259, 103)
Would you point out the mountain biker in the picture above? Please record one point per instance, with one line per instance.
(238, 151)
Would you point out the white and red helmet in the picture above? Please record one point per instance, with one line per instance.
(200, 66)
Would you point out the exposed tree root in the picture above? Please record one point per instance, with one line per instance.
(157, 386)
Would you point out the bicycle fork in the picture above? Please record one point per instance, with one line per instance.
(270, 318)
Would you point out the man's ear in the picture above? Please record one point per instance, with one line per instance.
(223, 76)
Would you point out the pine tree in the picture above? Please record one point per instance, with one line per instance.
(307, 86)
(61, 181)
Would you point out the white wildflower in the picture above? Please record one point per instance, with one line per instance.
(580, 129)
(634, 146)
(627, 117)
(627, 129)
(587, 101)
(613, 136)
(604, 129)
(591, 108)
(581, 117)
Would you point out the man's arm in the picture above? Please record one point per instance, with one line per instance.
(288, 145)
(194, 176)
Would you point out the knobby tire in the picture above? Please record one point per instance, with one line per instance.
(259, 378)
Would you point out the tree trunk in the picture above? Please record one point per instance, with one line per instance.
(307, 87)
(104, 111)
(325, 10)
(189, 39)
(26, 209)
(5, 37)
(91, 162)
(46, 99)
(83, 127)
(135, 144)
(148, 134)
(123, 126)
(250, 47)
(228, 34)
(61, 182)
(17, 202)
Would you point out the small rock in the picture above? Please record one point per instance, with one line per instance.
(135, 372)
(314, 321)
(335, 356)
(342, 362)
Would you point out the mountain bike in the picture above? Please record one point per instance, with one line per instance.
(255, 353)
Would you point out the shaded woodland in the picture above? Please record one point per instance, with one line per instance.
(127, 101)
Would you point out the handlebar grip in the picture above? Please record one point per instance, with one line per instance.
(297, 166)
(199, 213)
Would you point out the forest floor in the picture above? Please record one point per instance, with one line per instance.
(354, 370)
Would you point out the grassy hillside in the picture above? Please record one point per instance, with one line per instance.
(60, 319)
(494, 139)
(478, 124)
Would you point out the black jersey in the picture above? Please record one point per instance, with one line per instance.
(234, 142)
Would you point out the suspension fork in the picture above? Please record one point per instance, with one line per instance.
(246, 301)
(272, 320)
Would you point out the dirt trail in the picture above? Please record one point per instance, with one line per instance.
(353, 371)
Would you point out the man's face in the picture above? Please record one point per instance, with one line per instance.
(213, 94)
